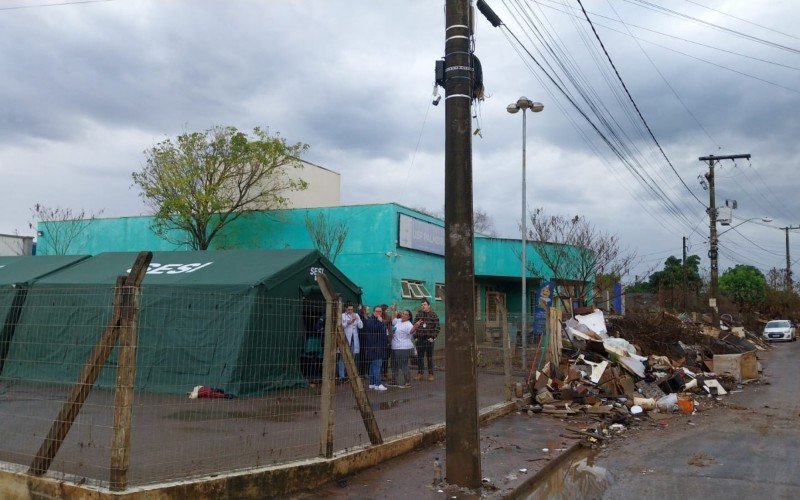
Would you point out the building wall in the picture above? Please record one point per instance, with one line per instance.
(13, 245)
(371, 256)
(323, 187)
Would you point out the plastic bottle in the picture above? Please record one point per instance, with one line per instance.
(437, 471)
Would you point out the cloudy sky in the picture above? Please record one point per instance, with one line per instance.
(87, 86)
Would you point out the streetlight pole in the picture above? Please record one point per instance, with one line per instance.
(523, 103)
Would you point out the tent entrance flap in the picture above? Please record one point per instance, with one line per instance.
(11, 321)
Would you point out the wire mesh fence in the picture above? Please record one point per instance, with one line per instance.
(224, 380)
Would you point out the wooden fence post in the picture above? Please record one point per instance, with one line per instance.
(356, 383)
(91, 370)
(328, 374)
(507, 392)
(126, 379)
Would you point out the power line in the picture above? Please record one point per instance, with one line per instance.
(76, 2)
(650, 30)
(743, 20)
(613, 140)
(674, 13)
(622, 82)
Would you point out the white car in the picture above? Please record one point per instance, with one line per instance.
(779, 329)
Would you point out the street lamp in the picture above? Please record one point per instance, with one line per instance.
(762, 219)
(523, 103)
(713, 256)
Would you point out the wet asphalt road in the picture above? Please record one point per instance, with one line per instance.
(751, 449)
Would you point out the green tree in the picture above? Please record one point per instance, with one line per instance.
(745, 285)
(677, 280)
(200, 182)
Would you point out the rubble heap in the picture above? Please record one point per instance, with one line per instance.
(657, 365)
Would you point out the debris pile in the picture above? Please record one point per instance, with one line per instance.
(663, 368)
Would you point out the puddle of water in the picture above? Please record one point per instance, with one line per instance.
(579, 477)
(388, 405)
(204, 415)
(276, 413)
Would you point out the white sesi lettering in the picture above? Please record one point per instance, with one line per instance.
(165, 269)
(156, 268)
(185, 268)
(201, 266)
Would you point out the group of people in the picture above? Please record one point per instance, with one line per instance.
(391, 337)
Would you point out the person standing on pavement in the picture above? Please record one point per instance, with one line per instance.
(375, 343)
(351, 322)
(403, 346)
(387, 320)
(363, 366)
(426, 338)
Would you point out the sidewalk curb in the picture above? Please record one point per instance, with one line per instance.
(277, 481)
(532, 481)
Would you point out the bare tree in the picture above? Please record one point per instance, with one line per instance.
(203, 181)
(439, 214)
(776, 278)
(482, 223)
(574, 252)
(328, 235)
(481, 220)
(61, 230)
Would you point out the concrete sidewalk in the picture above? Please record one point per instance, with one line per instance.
(512, 451)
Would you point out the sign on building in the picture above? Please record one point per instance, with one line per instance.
(417, 234)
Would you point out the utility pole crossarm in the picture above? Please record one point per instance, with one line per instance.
(727, 157)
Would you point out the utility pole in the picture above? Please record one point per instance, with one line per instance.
(683, 269)
(463, 457)
(788, 260)
(712, 226)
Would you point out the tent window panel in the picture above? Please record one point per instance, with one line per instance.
(439, 291)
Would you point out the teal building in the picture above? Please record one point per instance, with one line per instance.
(394, 253)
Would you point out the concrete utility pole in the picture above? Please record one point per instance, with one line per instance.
(461, 389)
(788, 260)
(683, 271)
(712, 225)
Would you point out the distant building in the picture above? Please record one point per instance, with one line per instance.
(323, 187)
(11, 245)
(395, 253)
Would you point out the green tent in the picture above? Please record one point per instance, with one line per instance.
(235, 320)
(16, 275)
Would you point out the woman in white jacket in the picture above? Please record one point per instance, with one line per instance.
(403, 346)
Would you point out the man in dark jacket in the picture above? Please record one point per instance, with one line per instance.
(375, 344)
(426, 337)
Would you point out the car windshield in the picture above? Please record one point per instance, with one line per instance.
(778, 324)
